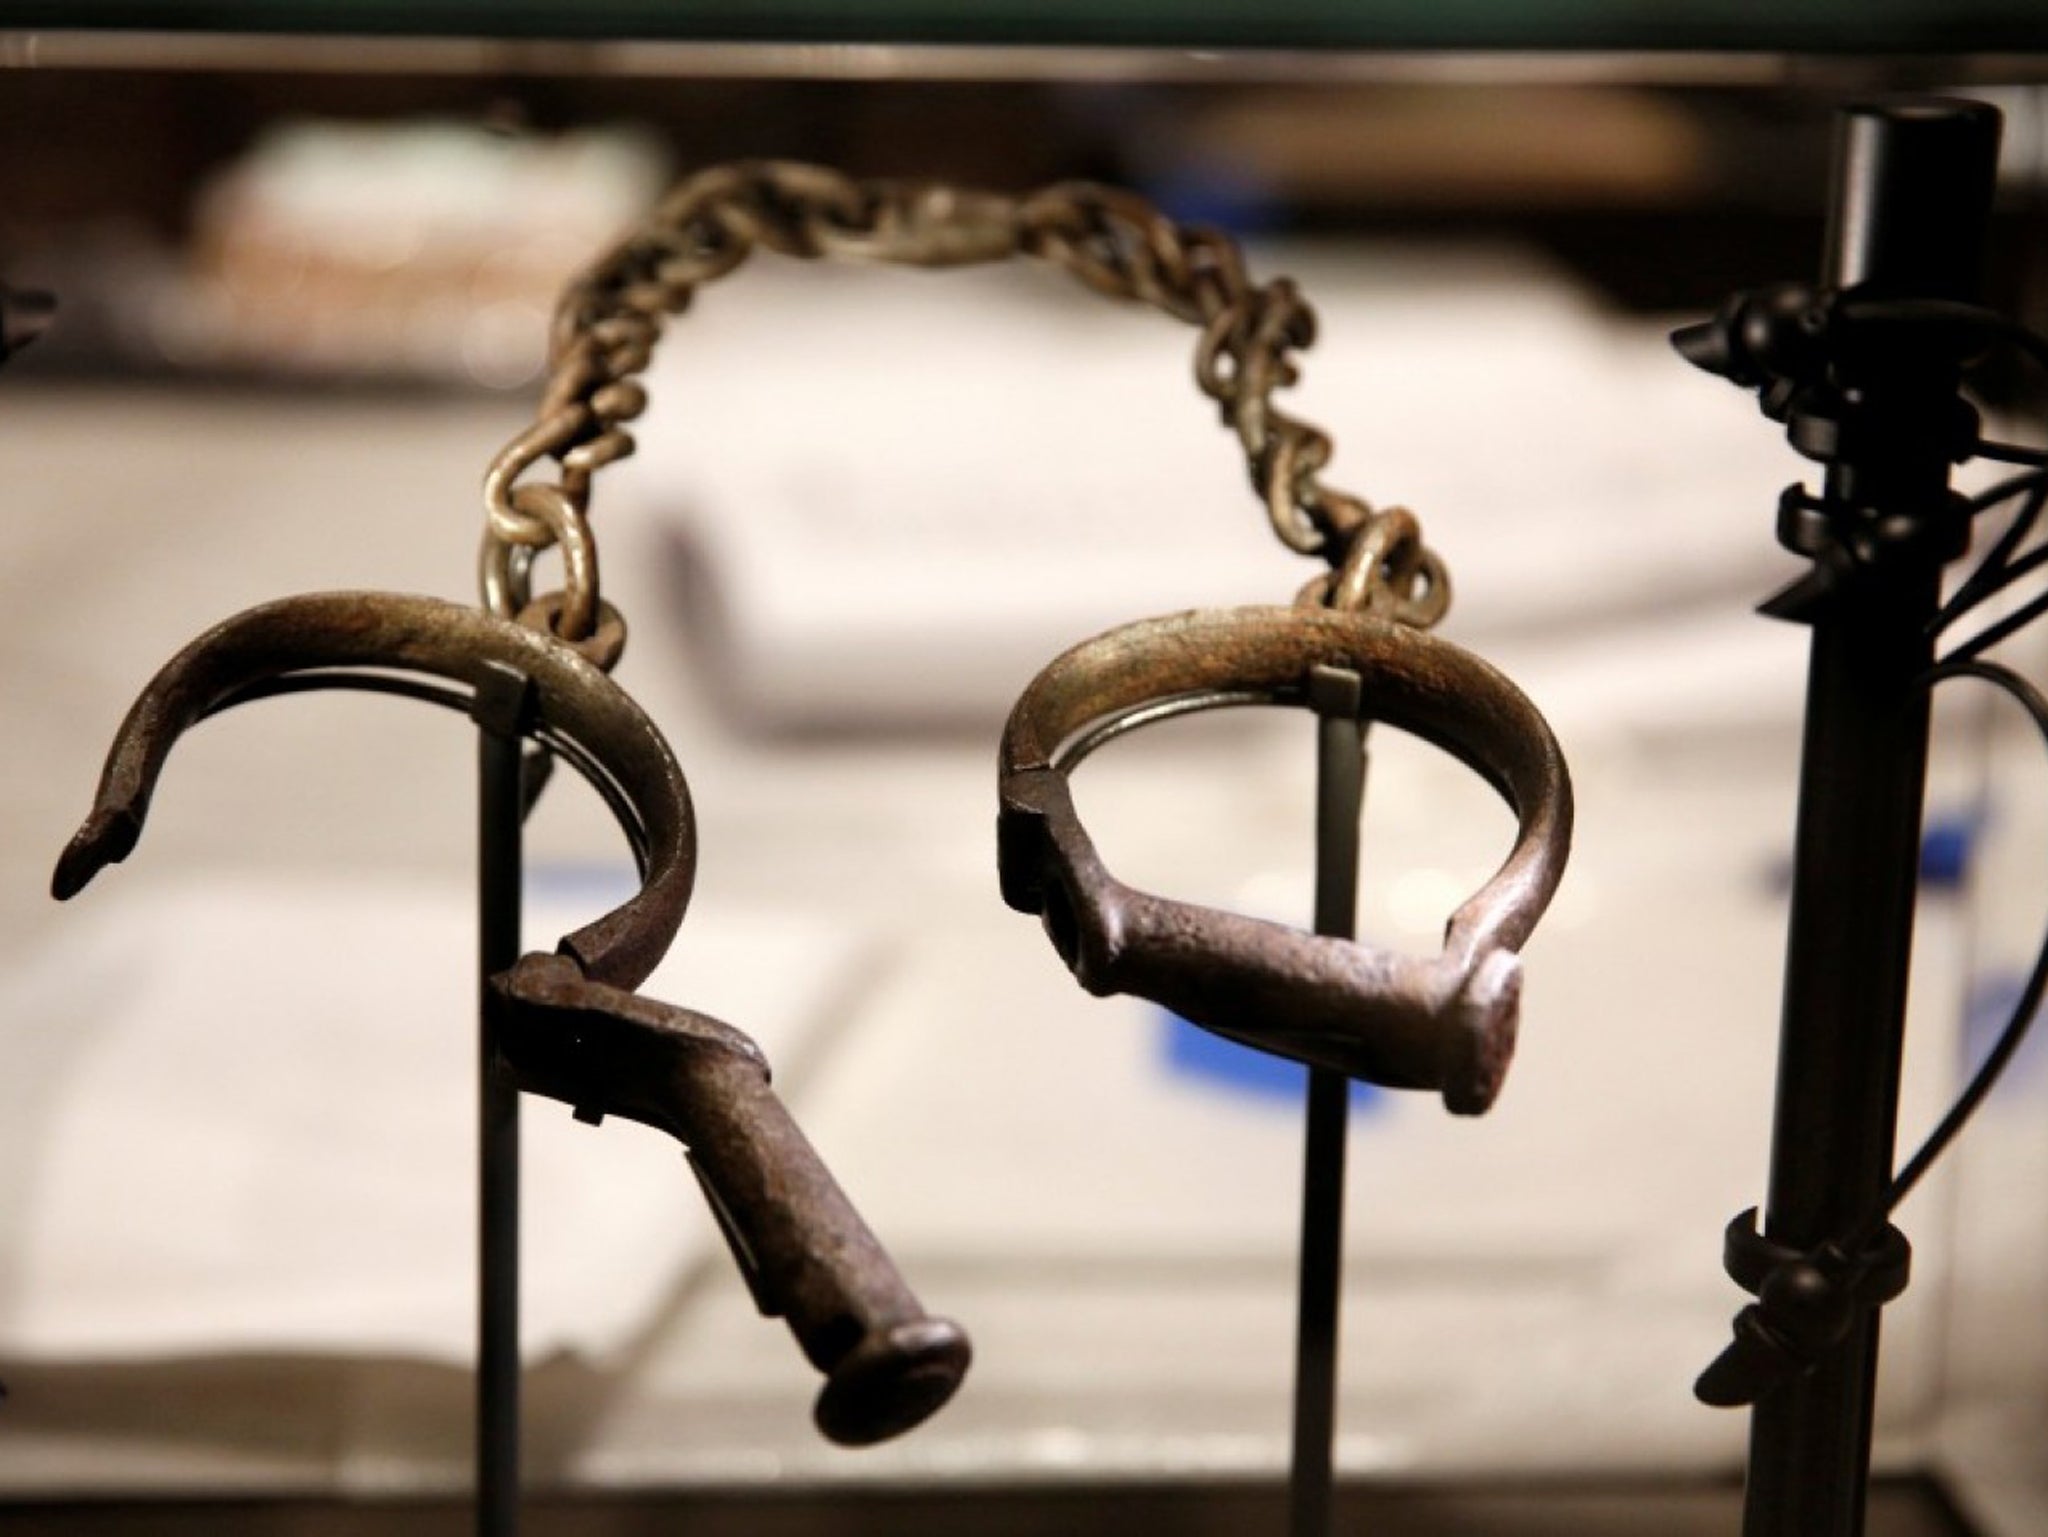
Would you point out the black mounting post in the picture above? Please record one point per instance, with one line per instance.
(503, 709)
(1337, 695)
(1881, 409)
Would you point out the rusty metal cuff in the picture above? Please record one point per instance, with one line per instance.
(1445, 1022)
(806, 1252)
(429, 635)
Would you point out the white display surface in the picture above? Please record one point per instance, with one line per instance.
(258, 1127)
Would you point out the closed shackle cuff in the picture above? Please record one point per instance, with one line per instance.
(1445, 1022)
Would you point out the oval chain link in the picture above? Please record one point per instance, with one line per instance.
(610, 319)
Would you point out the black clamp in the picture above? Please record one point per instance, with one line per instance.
(1807, 1302)
(504, 706)
(1811, 355)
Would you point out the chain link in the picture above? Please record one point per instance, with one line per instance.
(610, 319)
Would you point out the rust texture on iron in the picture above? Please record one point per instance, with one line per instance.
(446, 640)
(570, 1024)
(1445, 1022)
(807, 1254)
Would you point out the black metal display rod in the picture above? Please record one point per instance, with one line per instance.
(1336, 694)
(1909, 221)
(501, 710)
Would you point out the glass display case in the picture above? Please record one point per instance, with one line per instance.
(304, 257)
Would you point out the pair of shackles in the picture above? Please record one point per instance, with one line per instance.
(572, 1026)
(1447, 1024)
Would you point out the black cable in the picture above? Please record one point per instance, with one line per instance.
(1998, 570)
(2018, 619)
(2015, 1030)
(1946, 312)
(2008, 453)
(1808, 1298)
(2006, 489)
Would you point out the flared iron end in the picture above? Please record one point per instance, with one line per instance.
(108, 837)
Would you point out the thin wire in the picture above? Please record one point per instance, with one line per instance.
(1991, 635)
(2010, 487)
(2008, 453)
(451, 697)
(1998, 570)
(1101, 733)
(2015, 1030)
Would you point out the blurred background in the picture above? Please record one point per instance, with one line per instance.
(303, 293)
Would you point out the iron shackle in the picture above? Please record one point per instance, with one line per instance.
(1445, 1022)
(569, 1024)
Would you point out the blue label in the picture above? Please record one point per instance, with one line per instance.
(1193, 1053)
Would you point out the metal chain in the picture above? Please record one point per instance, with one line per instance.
(610, 318)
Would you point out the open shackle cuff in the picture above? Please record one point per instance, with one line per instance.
(405, 633)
